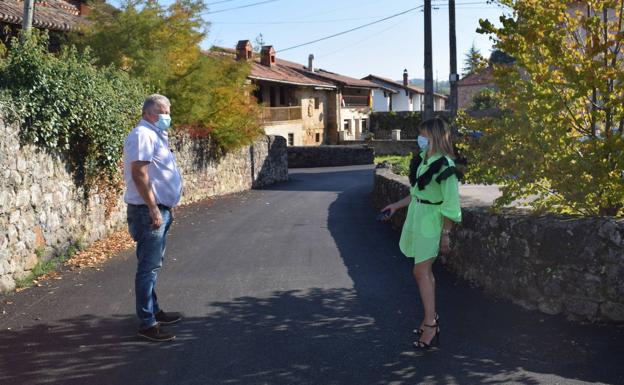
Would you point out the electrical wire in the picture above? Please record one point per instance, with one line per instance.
(219, 2)
(239, 7)
(352, 29)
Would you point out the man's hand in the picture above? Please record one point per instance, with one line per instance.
(157, 220)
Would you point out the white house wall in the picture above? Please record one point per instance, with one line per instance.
(381, 102)
(354, 117)
(283, 129)
(401, 102)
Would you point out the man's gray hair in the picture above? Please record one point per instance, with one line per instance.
(155, 100)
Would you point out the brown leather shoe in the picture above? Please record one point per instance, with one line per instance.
(167, 318)
(155, 333)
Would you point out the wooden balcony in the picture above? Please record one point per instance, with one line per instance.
(355, 100)
(281, 114)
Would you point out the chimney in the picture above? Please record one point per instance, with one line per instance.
(267, 56)
(85, 10)
(311, 62)
(243, 50)
(405, 78)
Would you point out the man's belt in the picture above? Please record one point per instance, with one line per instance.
(159, 206)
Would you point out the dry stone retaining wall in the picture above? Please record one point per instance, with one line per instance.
(573, 266)
(43, 211)
(329, 156)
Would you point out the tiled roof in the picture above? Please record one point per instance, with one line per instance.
(341, 80)
(281, 72)
(56, 15)
(285, 73)
(396, 84)
(485, 77)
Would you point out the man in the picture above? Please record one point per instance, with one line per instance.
(153, 189)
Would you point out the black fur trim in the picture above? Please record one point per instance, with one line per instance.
(434, 168)
(414, 163)
(447, 173)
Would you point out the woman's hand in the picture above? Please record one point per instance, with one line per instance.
(391, 208)
(445, 243)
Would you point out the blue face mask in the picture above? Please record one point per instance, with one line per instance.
(164, 122)
(423, 142)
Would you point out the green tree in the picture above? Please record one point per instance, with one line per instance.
(161, 47)
(499, 57)
(560, 139)
(484, 99)
(157, 45)
(473, 61)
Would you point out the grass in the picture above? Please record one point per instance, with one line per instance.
(46, 267)
(400, 164)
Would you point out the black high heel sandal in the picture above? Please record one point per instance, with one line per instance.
(434, 341)
(419, 331)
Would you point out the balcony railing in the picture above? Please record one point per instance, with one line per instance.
(281, 114)
(355, 100)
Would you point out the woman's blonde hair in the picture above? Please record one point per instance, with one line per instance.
(439, 136)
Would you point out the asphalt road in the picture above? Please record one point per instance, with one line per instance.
(296, 284)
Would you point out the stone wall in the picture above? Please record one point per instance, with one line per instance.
(573, 266)
(42, 211)
(329, 156)
(387, 147)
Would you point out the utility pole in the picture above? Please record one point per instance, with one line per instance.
(28, 19)
(428, 113)
(453, 77)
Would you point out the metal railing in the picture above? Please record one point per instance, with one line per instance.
(281, 114)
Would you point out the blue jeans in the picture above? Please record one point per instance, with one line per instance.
(150, 254)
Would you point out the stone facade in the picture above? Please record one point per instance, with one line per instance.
(572, 266)
(329, 156)
(42, 209)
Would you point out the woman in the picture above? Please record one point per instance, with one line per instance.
(433, 207)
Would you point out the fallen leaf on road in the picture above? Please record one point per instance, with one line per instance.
(101, 251)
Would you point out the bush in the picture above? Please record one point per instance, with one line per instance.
(400, 164)
(66, 105)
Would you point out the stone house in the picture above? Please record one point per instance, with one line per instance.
(294, 105)
(472, 84)
(56, 16)
(353, 98)
(395, 96)
(307, 106)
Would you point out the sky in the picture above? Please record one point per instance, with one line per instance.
(383, 49)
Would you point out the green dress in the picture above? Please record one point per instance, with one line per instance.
(433, 180)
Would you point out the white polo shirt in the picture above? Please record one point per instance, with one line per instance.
(148, 143)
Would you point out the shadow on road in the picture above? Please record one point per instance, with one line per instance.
(359, 335)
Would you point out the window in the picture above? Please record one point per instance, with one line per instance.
(318, 137)
(364, 125)
(317, 104)
(347, 125)
(272, 101)
(291, 139)
(282, 92)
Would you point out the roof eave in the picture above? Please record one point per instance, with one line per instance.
(329, 86)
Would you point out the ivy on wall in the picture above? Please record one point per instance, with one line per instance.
(65, 104)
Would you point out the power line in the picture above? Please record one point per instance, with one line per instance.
(361, 41)
(352, 29)
(219, 2)
(239, 7)
(289, 22)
